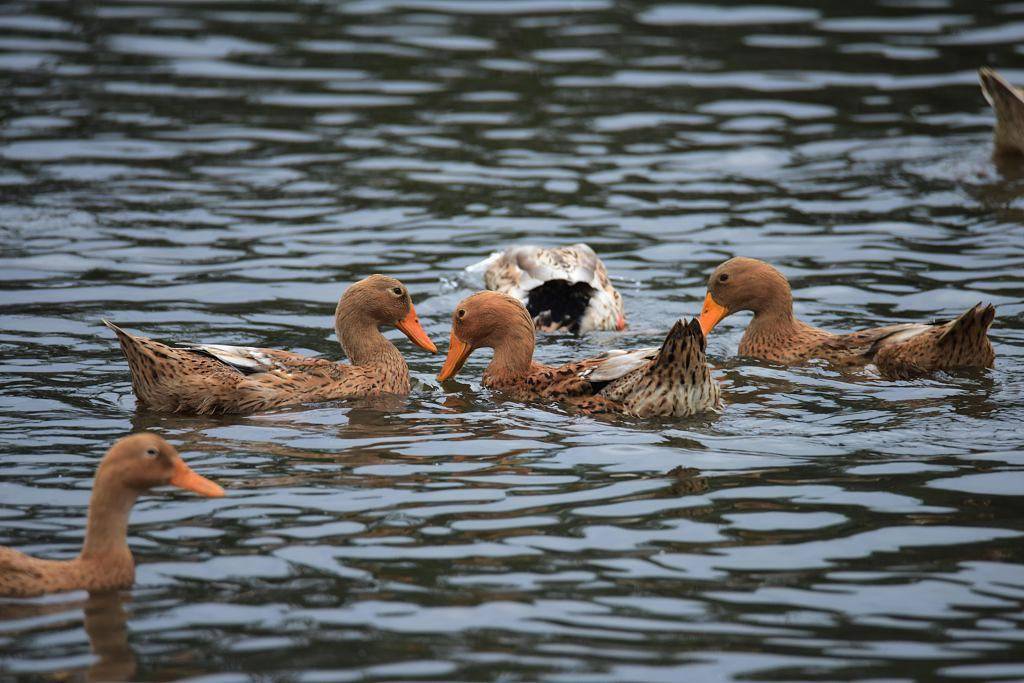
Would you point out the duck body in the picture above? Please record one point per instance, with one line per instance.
(211, 379)
(898, 351)
(1008, 104)
(24, 576)
(132, 466)
(671, 380)
(563, 288)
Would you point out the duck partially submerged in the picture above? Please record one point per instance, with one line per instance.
(673, 380)
(1008, 104)
(210, 379)
(131, 467)
(565, 288)
(898, 351)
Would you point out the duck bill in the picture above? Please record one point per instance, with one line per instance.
(458, 352)
(411, 328)
(185, 478)
(711, 314)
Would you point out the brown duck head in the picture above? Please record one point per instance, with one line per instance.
(744, 284)
(377, 301)
(490, 320)
(143, 461)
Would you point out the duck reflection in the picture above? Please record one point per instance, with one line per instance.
(105, 622)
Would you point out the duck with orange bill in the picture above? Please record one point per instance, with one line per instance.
(898, 351)
(131, 467)
(210, 379)
(670, 380)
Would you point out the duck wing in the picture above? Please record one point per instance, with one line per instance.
(616, 363)
(958, 343)
(250, 360)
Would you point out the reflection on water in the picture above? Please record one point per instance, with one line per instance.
(220, 171)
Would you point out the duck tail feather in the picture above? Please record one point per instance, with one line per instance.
(682, 342)
(971, 326)
(1008, 104)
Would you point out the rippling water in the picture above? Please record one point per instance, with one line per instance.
(220, 171)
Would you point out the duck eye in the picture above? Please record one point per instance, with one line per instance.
(397, 291)
(152, 452)
(461, 313)
(723, 277)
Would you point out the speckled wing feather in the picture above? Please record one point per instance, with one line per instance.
(250, 359)
(616, 364)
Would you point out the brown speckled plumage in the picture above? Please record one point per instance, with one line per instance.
(898, 351)
(132, 466)
(209, 379)
(673, 380)
(1008, 104)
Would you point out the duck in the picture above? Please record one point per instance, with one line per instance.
(900, 351)
(217, 379)
(564, 288)
(132, 466)
(1008, 104)
(670, 380)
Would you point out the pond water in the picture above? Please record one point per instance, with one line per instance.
(220, 171)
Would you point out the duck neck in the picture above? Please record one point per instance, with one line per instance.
(362, 341)
(513, 355)
(775, 321)
(106, 534)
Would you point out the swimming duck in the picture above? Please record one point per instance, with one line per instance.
(209, 379)
(898, 351)
(673, 380)
(132, 466)
(1008, 103)
(566, 288)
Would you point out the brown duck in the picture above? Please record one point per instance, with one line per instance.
(1008, 104)
(210, 379)
(898, 351)
(131, 467)
(673, 380)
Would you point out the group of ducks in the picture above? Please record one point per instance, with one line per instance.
(532, 289)
(529, 289)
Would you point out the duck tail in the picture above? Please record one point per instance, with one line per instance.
(682, 351)
(1008, 104)
(147, 361)
(971, 327)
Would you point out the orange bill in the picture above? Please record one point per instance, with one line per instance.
(458, 352)
(620, 322)
(185, 478)
(711, 314)
(410, 326)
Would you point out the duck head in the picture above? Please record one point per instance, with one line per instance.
(380, 300)
(143, 461)
(744, 284)
(489, 320)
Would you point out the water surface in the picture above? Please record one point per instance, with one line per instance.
(220, 171)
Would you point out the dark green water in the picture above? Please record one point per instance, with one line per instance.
(220, 171)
